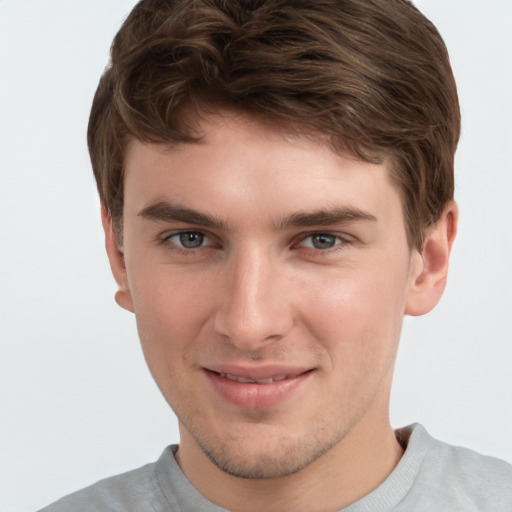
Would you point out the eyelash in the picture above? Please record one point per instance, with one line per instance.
(174, 246)
(341, 242)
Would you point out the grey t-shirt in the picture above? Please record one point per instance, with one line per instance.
(431, 476)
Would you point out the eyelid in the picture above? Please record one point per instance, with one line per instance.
(342, 240)
(167, 238)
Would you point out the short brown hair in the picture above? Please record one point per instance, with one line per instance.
(373, 75)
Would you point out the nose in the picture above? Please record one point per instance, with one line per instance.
(255, 307)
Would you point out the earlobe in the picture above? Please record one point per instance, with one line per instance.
(429, 269)
(117, 264)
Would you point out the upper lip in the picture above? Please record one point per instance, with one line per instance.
(261, 372)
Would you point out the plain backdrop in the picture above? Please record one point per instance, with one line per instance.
(77, 402)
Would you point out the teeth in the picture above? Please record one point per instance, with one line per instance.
(236, 378)
(245, 380)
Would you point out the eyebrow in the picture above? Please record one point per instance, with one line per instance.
(168, 212)
(327, 217)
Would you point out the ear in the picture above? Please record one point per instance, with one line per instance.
(429, 267)
(116, 258)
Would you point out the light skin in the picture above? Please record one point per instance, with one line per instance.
(258, 254)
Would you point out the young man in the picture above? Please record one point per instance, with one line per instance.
(277, 187)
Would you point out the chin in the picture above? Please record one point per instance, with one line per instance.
(268, 455)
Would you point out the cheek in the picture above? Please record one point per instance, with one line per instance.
(166, 295)
(171, 310)
(356, 314)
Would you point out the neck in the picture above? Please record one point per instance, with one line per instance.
(350, 470)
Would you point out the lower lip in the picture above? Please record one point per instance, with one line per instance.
(253, 395)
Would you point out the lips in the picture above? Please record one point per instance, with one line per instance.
(257, 388)
(248, 380)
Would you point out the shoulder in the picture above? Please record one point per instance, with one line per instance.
(131, 491)
(459, 477)
(484, 480)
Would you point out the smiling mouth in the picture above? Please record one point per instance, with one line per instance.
(258, 388)
(266, 380)
(246, 380)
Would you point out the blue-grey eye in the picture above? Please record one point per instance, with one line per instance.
(323, 241)
(191, 239)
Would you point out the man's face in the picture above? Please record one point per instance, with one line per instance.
(269, 277)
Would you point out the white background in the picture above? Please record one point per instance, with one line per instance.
(77, 402)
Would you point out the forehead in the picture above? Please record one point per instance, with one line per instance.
(239, 160)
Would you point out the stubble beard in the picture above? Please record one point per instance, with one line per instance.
(279, 457)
